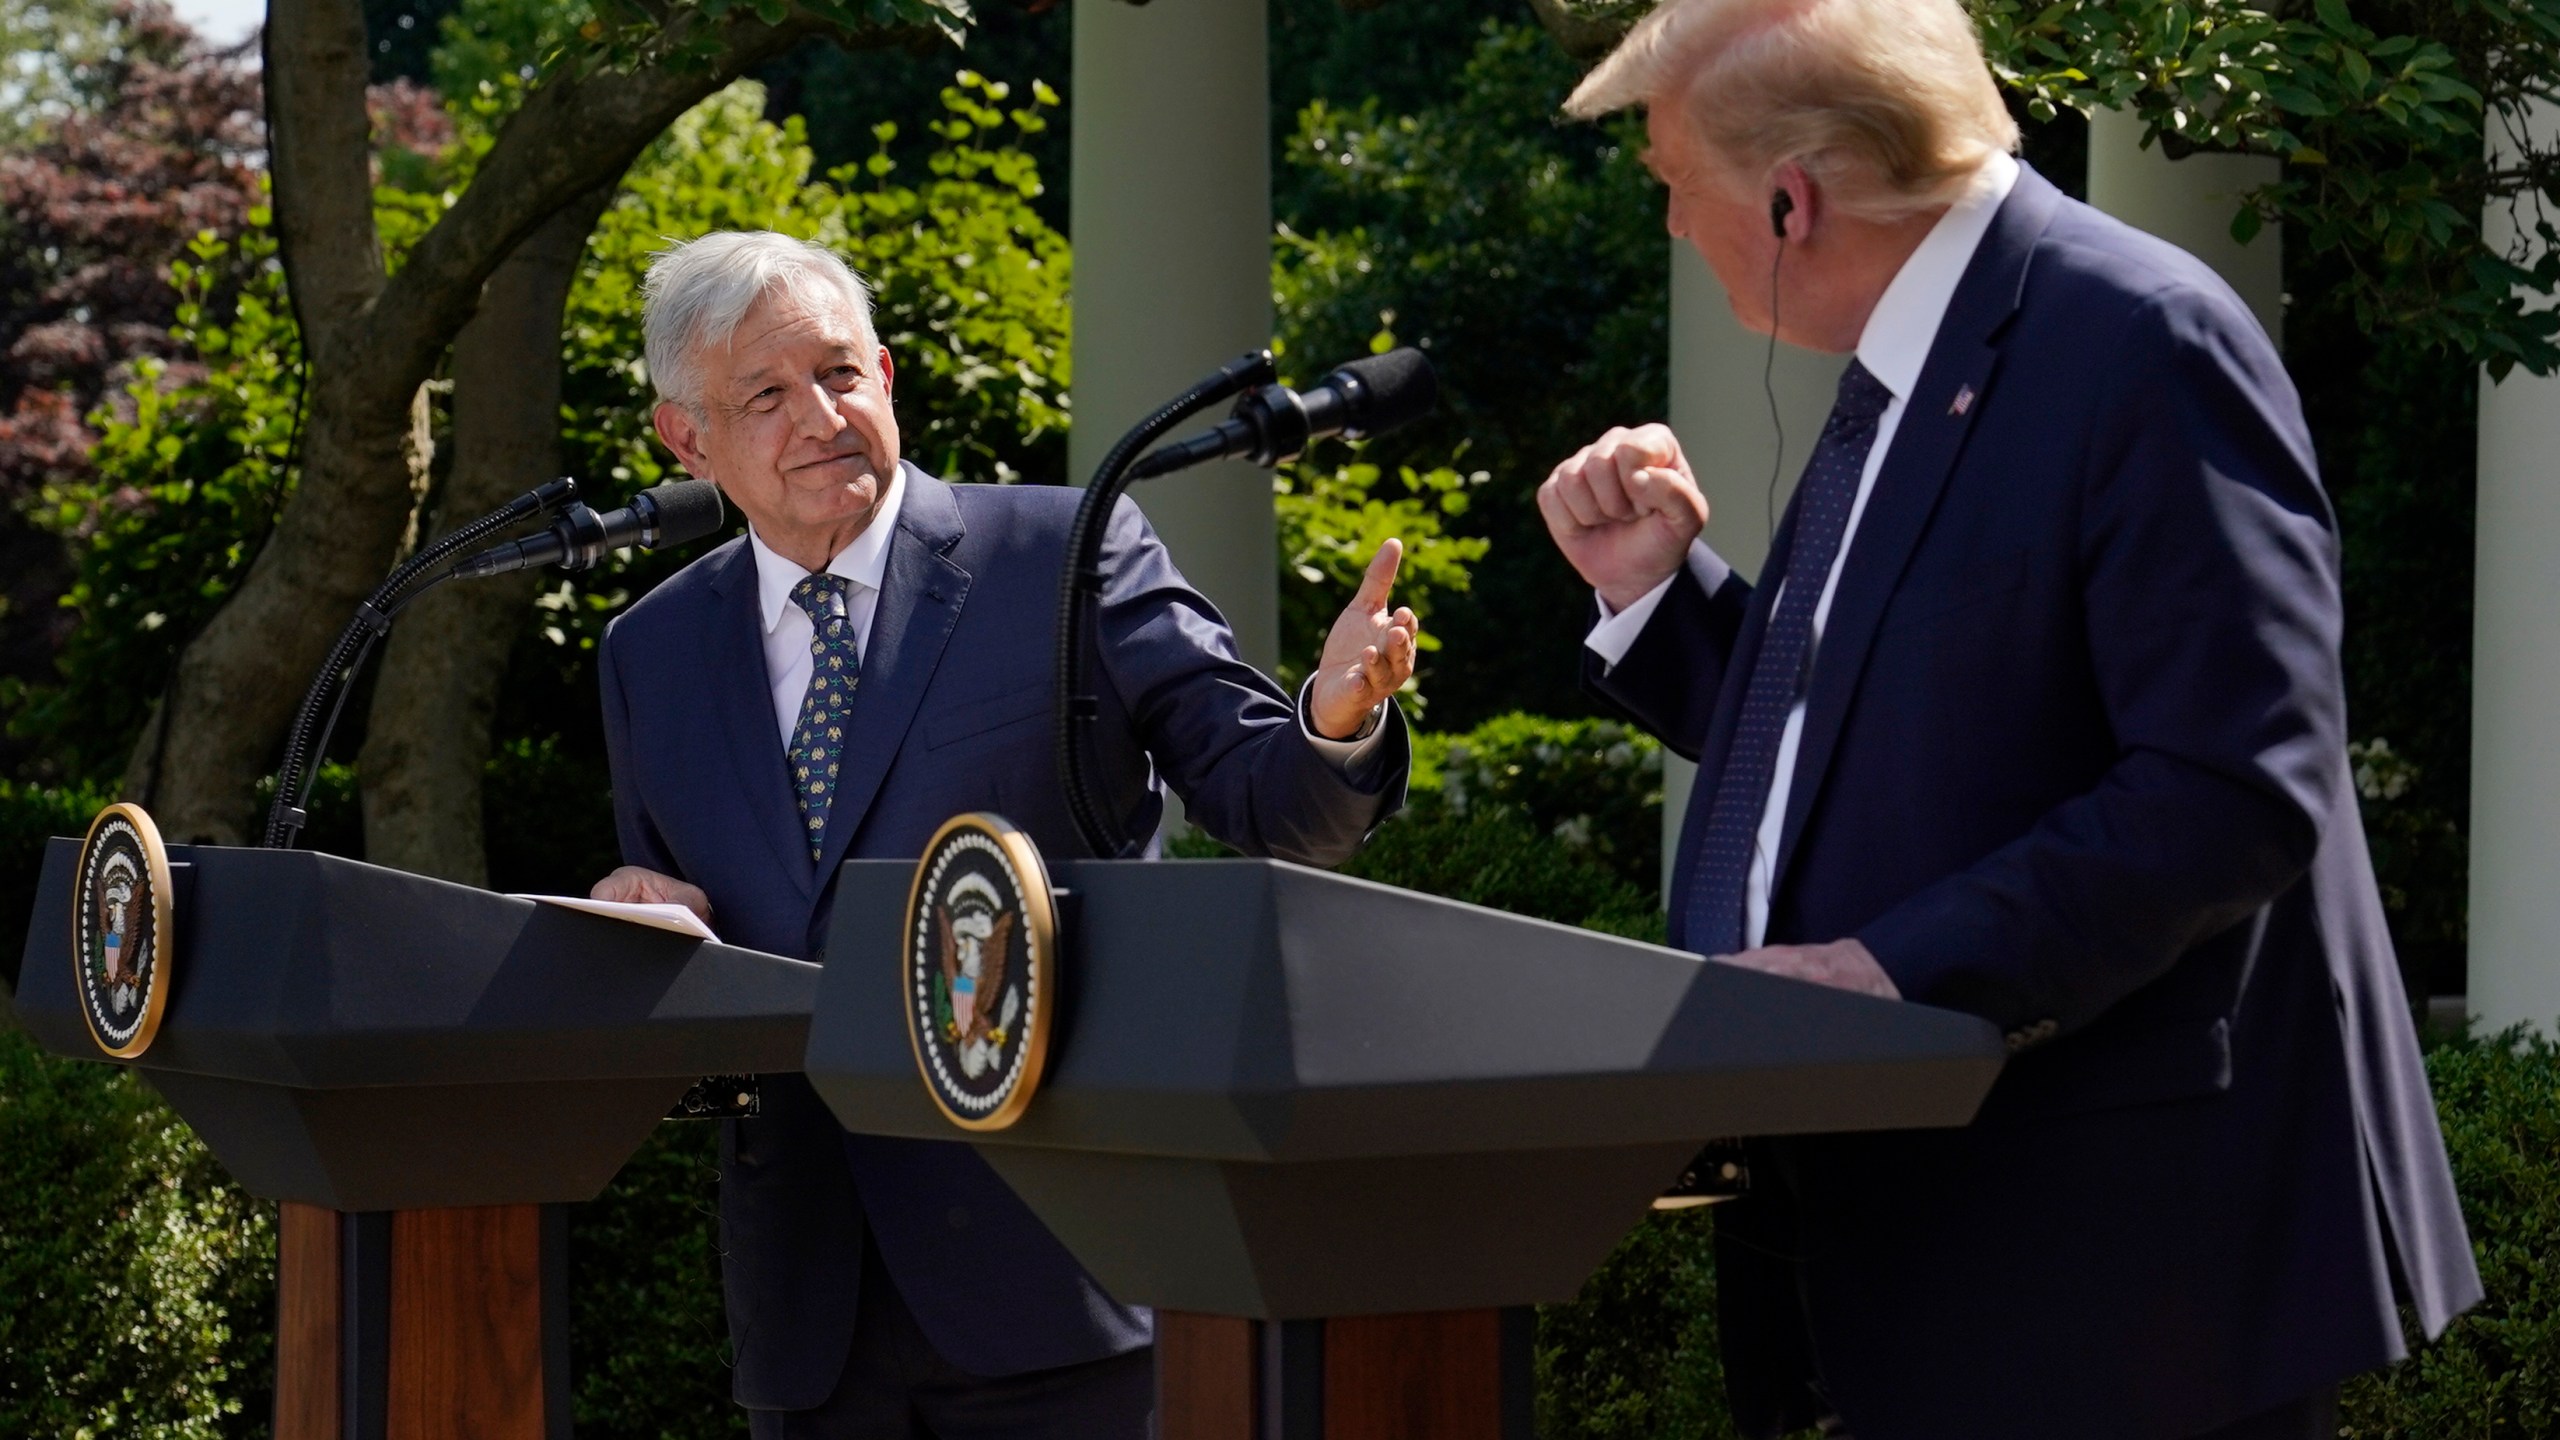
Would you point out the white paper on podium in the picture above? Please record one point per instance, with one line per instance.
(656, 917)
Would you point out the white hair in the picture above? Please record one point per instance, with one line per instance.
(1886, 103)
(697, 291)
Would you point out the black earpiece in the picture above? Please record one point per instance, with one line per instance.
(1781, 205)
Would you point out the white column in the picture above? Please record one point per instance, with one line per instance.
(2190, 204)
(1170, 211)
(2515, 692)
(1721, 412)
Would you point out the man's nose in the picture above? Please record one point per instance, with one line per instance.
(813, 412)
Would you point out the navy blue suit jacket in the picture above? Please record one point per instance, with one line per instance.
(954, 713)
(2074, 760)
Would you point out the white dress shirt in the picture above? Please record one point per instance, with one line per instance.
(788, 630)
(1894, 346)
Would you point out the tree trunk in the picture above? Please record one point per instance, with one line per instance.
(237, 684)
(427, 743)
(370, 342)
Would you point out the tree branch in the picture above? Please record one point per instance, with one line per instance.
(318, 141)
(573, 133)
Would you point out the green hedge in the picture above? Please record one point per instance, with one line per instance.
(136, 1290)
(648, 1347)
(2496, 1373)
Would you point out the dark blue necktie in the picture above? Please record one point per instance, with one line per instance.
(835, 667)
(1823, 499)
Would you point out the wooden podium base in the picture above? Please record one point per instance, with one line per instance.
(453, 1325)
(422, 1324)
(1448, 1375)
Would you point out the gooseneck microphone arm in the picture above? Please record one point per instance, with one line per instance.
(286, 815)
(1080, 592)
(1270, 424)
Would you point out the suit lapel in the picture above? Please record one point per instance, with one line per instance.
(733, 647)
(1935, 422)
(920, 598)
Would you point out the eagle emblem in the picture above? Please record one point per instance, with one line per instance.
(980, 970)
(976, 1012)
(115, 921)
(121, 930)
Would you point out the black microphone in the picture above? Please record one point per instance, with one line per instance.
(1273, 423)
(670, 514)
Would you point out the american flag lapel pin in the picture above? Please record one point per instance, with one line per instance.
(1962, 402)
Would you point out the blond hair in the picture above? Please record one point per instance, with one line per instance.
(1887, 104)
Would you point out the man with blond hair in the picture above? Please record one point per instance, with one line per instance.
(2035, 713)
(873, 657)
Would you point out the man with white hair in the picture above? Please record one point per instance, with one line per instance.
(874, 657)
(2035, 713)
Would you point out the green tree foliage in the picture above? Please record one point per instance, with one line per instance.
(2382, 110)
(1528, 258)
(29, 816)
(59, 53)
(1333, 519)
(181, 491)
(139, 1282)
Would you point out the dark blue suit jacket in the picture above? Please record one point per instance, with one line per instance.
(954, 713)
(2074, 760)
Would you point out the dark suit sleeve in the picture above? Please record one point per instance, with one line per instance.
(1221, 733)
(640, 842)
(1667, 681)
(2208, 572)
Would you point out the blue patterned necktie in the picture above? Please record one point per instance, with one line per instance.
(835, 668)
(1778, 677)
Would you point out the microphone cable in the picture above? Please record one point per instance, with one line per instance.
(1769, 389)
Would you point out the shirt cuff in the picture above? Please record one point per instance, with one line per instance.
(1350, 757)
(1616, 633)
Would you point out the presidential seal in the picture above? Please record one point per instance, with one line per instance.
(981, 970)
(121, 930)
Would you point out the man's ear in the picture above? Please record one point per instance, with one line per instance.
(1804, 201)
(888, 372)
(683, 435)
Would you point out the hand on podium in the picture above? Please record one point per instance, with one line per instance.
(1368, 656)
(1842, 965)
(633, 885)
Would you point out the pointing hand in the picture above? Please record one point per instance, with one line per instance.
(1369, 655)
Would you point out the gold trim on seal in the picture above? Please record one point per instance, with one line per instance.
(1040, 974)
(164, 928)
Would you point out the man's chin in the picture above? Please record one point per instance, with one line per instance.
(836, 500)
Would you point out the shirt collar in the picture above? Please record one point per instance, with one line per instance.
(1904, 324)
(864, 562)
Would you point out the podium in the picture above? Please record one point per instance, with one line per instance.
(1337, 1132)
(419, 1071)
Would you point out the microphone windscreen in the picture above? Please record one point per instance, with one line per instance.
(687, 510)
(1397, 388)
